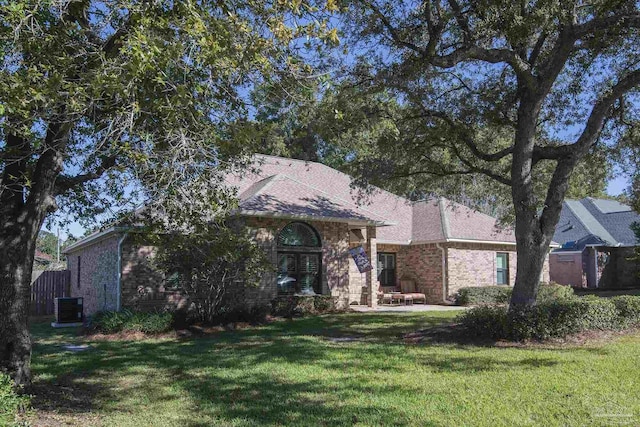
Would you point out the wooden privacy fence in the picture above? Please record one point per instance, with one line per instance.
(46, 288)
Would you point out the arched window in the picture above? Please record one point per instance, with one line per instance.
(298, 234)
(299, 260)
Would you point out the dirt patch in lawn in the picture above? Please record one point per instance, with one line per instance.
(454, 333)
(196, 330)
(67, 402)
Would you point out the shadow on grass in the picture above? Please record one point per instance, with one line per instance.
(286, 373)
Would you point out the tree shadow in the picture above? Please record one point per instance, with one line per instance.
(251, 376)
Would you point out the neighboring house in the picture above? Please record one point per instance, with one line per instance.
(41, 260)
(305, 216)
(597, 245)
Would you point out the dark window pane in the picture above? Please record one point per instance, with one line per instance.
(298, 234)
(502, 268)
(387, 269)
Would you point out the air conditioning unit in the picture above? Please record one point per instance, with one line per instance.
(68, 310)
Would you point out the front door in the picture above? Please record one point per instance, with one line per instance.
(299, 273)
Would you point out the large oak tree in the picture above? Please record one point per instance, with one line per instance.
(515, 93)
(108, 101)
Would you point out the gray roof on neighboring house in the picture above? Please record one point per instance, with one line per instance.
(606, 221)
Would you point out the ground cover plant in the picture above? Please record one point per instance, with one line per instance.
(334, 370)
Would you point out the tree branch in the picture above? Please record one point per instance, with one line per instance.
(464, 53)
(601, 108)
(598, 24)
(65, 183)
(466, 137)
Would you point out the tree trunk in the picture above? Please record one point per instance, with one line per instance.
(532, 243)
(531, 257)
(17, 247)
(24, 205)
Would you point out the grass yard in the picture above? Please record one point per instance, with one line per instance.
(335, 370)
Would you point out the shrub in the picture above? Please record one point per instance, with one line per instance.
(255, 315)
(502, 294)
(485, 321)
(600, 313)
(483, 295)
(554, 291)
(11, 403)
(553, 318)
(211, 263)
(298, 305)
(628, 309)
(110, 322)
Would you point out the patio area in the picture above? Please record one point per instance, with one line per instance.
(406, 308)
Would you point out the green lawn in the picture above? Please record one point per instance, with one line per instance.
(350, 369)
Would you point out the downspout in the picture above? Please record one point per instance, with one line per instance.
(119, 283)
(444, 272)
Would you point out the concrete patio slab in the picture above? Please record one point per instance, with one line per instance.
(406, 308)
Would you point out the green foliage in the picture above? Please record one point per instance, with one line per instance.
(48, 243)
(501, 294)
(554, 291)
(553, 318)
(256, 315)
(485, 321)
(11, 402)
(629, 308)
(137, 98)
(301, 305)
(111, 322)
(211, 264)
(483, 295)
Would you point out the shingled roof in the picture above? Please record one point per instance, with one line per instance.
(595, 222)
(284, 187)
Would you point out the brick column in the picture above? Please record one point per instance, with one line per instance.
(372, 276)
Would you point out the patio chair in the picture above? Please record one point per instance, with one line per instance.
(384, 297)
(408, 288)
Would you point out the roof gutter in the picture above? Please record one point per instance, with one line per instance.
(444, 272)
(353, 221)
(119, 282)
(93, 238)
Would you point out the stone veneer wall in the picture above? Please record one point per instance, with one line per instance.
(337, 264)
(98, 275)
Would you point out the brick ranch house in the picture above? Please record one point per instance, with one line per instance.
(305, 217)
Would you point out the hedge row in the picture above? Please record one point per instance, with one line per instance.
(298, 305)
(553, 318)
(110, 322)
(502, 294)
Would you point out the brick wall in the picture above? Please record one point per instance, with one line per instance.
(566, 268)
(337, 265)
(423, 264)
(401, 262)
(474, 264)
(98, 275)
(143, 285)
